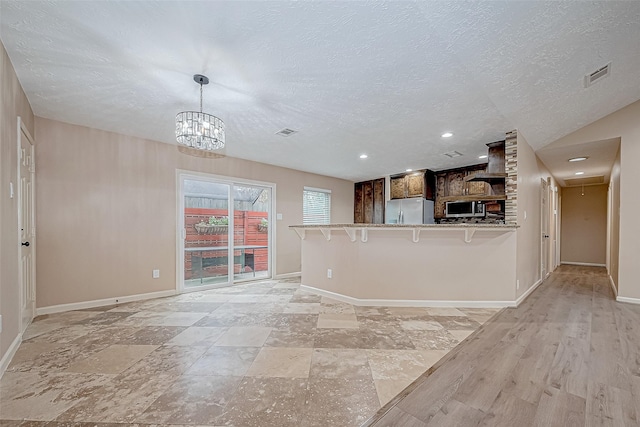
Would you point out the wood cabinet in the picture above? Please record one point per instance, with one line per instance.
(459, 184)
(482, 182)
(369, 202)
(413, 184)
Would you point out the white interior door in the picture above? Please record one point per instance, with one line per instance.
(544, 229)
(26, 226)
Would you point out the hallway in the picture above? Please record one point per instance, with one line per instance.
(568, 356)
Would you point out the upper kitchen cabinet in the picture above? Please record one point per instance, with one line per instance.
(413, 184)
(369, 202)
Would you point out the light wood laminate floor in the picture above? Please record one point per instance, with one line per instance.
(568, 356)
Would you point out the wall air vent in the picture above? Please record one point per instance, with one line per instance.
(452, 154)
(597, 75)
(590, 180)
(286, 132)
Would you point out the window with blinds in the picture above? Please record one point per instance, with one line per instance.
(316, 206)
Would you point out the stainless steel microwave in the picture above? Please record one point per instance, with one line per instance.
(464, 209)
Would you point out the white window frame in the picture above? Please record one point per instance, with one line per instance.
(304, 204)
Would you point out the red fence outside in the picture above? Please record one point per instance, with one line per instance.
(246, 231)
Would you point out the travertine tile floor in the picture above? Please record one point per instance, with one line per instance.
(259, 354)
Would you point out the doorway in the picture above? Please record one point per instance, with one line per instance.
(225, 231)
(544, 228)
(26, 225)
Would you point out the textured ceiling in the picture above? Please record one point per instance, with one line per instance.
(382, 78)
(600, 158)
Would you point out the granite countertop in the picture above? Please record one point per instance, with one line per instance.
(391, 226)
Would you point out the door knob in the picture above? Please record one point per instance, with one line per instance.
(25, 243)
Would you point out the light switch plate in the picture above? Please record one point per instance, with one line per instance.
(279, 216)
(156, 274)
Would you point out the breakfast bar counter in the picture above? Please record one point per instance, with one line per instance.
(472, 265)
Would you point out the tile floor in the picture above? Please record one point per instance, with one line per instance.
(259, 354)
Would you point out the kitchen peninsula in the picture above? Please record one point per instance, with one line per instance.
(462, 265)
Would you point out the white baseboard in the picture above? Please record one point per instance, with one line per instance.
(528, 292)
(586, 264)
(628, 300)
(287, 275)
(613, 286)
(407, 303)
(11, 351)
(102, 302)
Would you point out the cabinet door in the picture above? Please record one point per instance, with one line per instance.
(378, 201)
(367, 197)
(358, 207)
(476, 187)
(397, 188)
(455, 183)
(415, 185)
(441, 185)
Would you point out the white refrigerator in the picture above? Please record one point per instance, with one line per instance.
(409, 211)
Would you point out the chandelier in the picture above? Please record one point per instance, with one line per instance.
(197, 129)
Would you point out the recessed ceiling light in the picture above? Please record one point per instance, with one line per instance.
(484, 156)
(579, 173)
(409, 170)
(363, 156)
(447, 135)
(578, 159)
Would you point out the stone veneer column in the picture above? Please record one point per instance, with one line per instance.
(511, 183)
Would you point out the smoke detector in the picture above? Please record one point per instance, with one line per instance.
(597, 75)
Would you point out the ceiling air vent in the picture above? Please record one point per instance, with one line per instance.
(286, 132)
(590, 180)
(453, 154)
(597, 75)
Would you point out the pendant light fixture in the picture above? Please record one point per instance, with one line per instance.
(197, 129)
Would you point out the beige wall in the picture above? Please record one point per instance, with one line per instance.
(390, 266)
(584, 225)
(623, 124)
(614, 221)
(14, 104)
(106, 211)
(530, 173)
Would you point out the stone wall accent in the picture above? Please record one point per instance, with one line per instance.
(511, 183)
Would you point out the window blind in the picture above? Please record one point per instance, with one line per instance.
(316, 206)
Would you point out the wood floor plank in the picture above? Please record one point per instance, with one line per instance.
(397, 417)
(569, 355)
(569, 371)
(485, 382)
(457, 414)
(559, 408)
(509, 411)
(612, 403)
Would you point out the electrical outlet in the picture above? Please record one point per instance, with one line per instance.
(329, 273)
(156, 274)
(517, 284)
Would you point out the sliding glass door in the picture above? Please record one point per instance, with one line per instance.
(251, 208)
(224, 232)
(206, 233)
